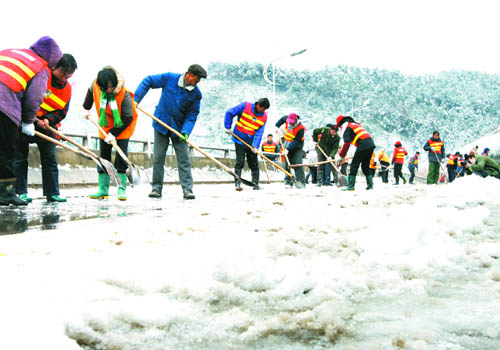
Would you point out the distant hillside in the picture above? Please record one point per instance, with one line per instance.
(463, 106)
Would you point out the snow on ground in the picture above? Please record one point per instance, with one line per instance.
(413, 267)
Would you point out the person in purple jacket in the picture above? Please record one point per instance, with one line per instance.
(24, 74)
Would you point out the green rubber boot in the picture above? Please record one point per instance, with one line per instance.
(351, 181)
(369, 182)
(122, 196)
(103, 192)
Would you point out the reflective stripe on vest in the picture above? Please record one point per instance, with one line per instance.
(54, 99)
(289, 135)
(248, 122)
(436, 145)
(18, 66)
(269, 147)
(400, 153)
(359, 131)
(451, 159)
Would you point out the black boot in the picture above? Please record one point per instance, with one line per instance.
(8, 195)
(255, 179)
(237, 183)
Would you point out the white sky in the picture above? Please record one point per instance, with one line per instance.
(148, 37)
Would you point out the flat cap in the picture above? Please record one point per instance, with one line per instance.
(198, 70)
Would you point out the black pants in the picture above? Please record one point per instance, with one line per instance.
(243, 151)
(398, 172)
(412, 174)
(8, 138)
(313, 173)
(50, 173)
(361, 158)
(120, 165)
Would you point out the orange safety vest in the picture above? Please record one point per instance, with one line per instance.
(373, 165)
(437, 145)
(127, 133)
(269, 147)
(289, 134)
(359, 131)
(248, 123)
(451, 159)
(54, 99)
(399, 155)
(415, 161)
(383, 157)
(18, 67)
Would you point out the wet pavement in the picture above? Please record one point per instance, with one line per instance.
(42, 215)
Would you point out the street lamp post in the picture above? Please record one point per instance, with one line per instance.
(273, 82)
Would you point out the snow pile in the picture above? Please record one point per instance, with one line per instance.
(272, 269)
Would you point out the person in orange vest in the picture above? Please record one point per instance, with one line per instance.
(435, 147)
(250, 123)
(398, 159)
(270, 147)
(24, 74)
(117, 116)
(452, 166)
(294, 135)
(355, 134)
(373, 163)
(384, 161)
(52, 111)
(412, 165)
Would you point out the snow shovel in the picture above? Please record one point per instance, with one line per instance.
(263, 156)
(103, 163)
(220, 164)
(342, 180)
(137, 176)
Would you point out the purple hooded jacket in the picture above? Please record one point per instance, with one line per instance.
(23, 105)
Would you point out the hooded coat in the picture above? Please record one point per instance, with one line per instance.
(22, 106)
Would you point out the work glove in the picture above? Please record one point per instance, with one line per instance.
(254, 150)
(28, 129)
(285, 152)
(329, 158)
(184, 137)
(228, 131)
(109, 138)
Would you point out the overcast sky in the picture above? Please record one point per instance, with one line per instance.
(148, 37)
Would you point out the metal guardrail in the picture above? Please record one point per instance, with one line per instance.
(146, 146)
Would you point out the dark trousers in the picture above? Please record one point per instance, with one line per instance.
(323, 169)
(384, 171)
(295, 157)
(50, 173)
(313, 173)
(398, 173)
(452, 173)
(412, 174)
(361, 158)
(8, 139)
(120, 165)
(243, 151)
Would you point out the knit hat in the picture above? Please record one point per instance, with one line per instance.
(292, 118)
(47, 48)
(397, 144)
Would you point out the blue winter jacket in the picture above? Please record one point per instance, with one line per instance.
(178, 107)
(237, 111)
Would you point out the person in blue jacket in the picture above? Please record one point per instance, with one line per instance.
(178, 107)
(249, 126)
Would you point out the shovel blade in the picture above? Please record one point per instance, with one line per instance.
(137, 176)
(342, 181)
